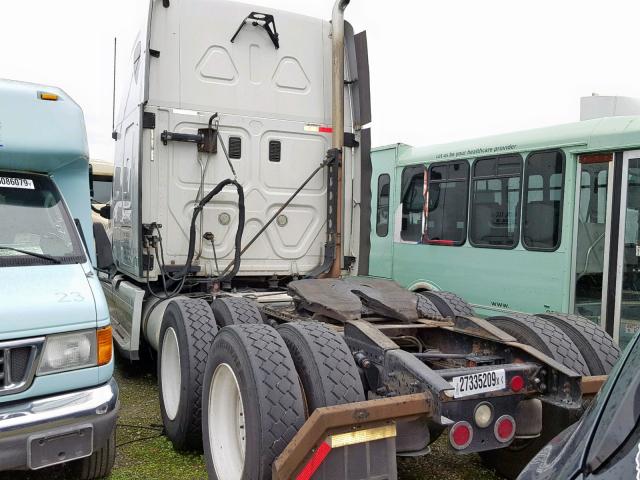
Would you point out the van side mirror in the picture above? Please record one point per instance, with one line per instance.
(105, 212)
(104, 256)
(91, 181)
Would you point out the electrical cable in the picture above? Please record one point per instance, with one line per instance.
(323, 164)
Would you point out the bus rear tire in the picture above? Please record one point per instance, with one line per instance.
(324, 363)
(187, 331)
(598, 349)
(235, 311)
(252, 401)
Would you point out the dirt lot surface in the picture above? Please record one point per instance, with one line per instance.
(143, 453)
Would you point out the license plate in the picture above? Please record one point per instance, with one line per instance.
(475, 383)
(12, 182)
(59, 446)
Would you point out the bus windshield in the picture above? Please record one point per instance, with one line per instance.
(35, 223)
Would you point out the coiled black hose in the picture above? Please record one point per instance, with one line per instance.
(238, 240)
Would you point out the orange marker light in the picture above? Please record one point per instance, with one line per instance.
(48, 96)
(105, 345)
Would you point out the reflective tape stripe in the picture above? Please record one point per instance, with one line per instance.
(314, 462)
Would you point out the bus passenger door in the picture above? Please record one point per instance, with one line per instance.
(607, 244)
(626, 310)
(382, 202)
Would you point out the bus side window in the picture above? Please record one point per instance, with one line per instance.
(412, 203)
(495, 202)
(382, 215)
(542, 212)
(448, 187)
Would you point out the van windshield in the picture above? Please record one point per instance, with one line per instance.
(34, 223)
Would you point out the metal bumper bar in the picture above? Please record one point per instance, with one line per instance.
(96, 407)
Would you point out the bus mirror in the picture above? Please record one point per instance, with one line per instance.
(91, 181)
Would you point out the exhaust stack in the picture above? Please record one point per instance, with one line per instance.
(337, 116)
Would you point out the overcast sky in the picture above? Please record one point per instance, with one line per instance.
(440, 71)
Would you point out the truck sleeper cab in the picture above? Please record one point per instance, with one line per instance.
(58, 400)
(237, 264)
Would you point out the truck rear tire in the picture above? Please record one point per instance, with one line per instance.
(235, 311)
(98, 465)
(449, 304)
(324, 364)
(545, 336)
(425, 307)
(187, 331)
(598, 349)
(542, 335)
(253, 402)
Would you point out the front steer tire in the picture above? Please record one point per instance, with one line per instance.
(187, 331)
(98, 465)
(267, 394)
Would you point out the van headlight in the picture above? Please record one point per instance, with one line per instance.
(68, 351)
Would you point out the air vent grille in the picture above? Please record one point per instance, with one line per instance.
(235, 147)
(275, 150)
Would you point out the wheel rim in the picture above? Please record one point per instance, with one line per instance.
(226, 422)
(170, 373)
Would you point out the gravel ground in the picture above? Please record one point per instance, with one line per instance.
(143, 453)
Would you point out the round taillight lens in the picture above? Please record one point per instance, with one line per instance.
(516, 383)
(505, 428)
(460, 435)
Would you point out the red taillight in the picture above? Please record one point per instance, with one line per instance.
(460, 435)
(516, 383)
(505, 428)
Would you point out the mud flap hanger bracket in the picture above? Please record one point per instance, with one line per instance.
(263, 20)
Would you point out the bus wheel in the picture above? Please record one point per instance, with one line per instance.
(235, 311)
(324, 363)
(188, 328)
(449, 304)
(543, 335)
(252, 401)
(598, 349)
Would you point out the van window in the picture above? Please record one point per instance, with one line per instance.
(35, 223)
(542, 212)
(412, 203)
(382, 216)
(448, 186)
(495, 202)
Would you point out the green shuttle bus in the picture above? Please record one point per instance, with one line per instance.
(535, 221)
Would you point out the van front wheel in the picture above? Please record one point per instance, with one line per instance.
(98, 464)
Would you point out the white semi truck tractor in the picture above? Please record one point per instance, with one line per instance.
(240, 223)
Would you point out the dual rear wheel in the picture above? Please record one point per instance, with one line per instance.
(256, 384)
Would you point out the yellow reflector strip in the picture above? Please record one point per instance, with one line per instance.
(48, 96)
(362, 436)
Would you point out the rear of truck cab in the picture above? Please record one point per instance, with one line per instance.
(58, 400)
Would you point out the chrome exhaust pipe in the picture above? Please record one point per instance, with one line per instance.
(337, 118)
